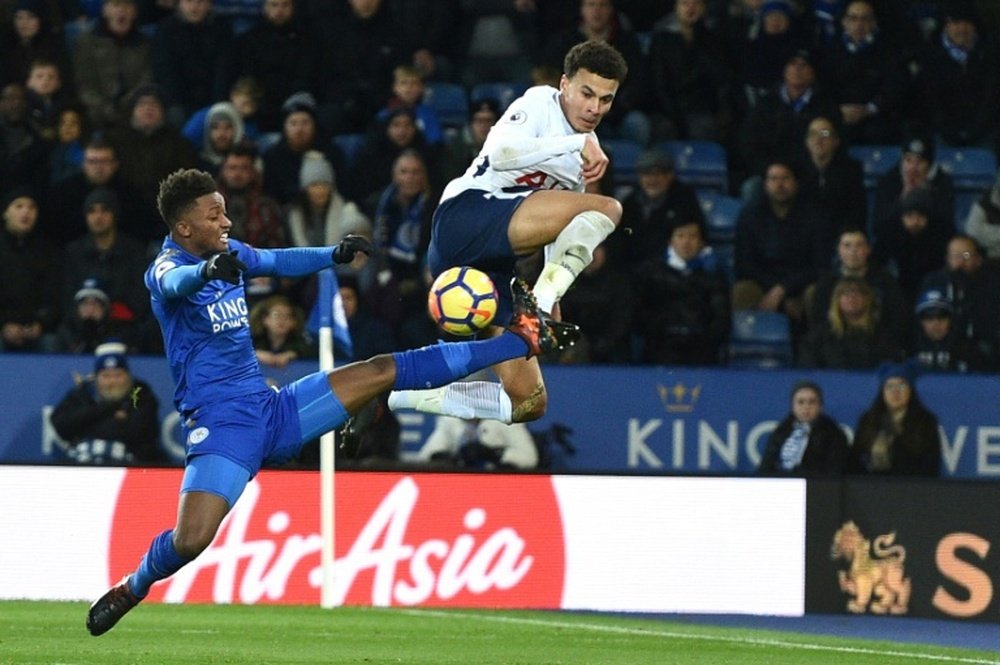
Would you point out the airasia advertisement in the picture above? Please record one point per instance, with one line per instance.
(716, 545)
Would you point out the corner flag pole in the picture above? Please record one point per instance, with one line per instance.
(326, 444)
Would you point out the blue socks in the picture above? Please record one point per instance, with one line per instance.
(441, 364)
(160, 562)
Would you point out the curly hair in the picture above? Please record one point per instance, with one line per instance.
(598, 57)
(179, 191)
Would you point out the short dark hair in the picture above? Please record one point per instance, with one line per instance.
(598, 57)
(243, 149)
(806, 384)
(179, 191)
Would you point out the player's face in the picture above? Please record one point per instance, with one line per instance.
(205, 227)
(586, 98)
(805, 405)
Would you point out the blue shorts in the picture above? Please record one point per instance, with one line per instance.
(470, 229)
(269, 426)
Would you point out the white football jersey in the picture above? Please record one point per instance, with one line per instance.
(522, 130)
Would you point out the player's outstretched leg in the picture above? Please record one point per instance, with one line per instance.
(109, 608)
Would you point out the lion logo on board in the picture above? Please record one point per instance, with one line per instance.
(875, 578)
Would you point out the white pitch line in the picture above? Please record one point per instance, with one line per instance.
(695, 636)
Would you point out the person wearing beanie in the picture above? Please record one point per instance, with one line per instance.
(223, 131)
(897, 434)
(86, 324)
(110, 418)
(807, 442)
(940, 346)
(29, 277)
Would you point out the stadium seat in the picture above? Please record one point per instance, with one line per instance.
(972, 169)
(760, 339)
(623, 155)
(504, 92)
(72, 31)
(699, 163)
(726, 253)
(963, 205)
(267, 140)
(721, 213)
(350, 144)
(450, 101)
(875, 160)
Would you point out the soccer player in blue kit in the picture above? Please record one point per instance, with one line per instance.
(232, 421)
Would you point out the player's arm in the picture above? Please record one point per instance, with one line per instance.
(300, 261)
(517, 140)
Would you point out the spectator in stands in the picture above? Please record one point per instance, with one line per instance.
(959, 80)
(66, 220)
(781, 244)
(45, 97)
(852, 335)
(866, 71)
(774, 129)
(111, 61)
(599, 20)
(408, 93)
(682, 310)
(833, 179)
(357, 66)
(86, 323)
(115, 259)
(257, 218)
(300, 134)
(427, 28)
(971, 285)
(854, 260)
(486, 445)
(651, 211)
(897, 435)
(601, 301)
(916, 169)
(23, 154)
(29, 277)
(278, 329)
(281, 55)
(983, 224)
(150, 149)
(66, 155)
(497, 40)
(395, 133)
(223, 130)
(32, 38)
(766, 39)
(462, 149)
(690, 77)
(245, 95)
(914, 245)
(807, 442)
(369, 333)
(110, 418)
(191, 58)
(940, 346)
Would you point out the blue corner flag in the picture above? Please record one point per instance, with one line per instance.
(329, 311)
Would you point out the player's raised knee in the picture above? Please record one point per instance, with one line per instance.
(612, 208)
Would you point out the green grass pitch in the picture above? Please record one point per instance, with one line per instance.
(53, 633)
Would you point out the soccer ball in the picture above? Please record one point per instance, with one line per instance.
(462, 300)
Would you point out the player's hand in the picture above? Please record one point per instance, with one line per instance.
(224, 266)
(349, 246)
(595, 162)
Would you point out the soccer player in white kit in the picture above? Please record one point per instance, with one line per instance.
(525, 192)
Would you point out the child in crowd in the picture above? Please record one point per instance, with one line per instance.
(408, 93)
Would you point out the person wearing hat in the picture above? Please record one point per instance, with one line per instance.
(940, 346)
(28, 37)
(223, 131)
(916, 169)
(113, 257)
(395, 133)
(320, 214)
(650, 212)
(110, 417)
(768, 39)
(807, 441)
(958, 80)
(86, 323)
(29, 277)
(257, 218)
(408, 92)
(897, 435)
(111, 60)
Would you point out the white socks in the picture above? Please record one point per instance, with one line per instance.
(465, 399)
(572, 251)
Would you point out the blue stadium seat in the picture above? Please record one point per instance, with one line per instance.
(623, 154)
(267, 140)
(875, 160)
(721, 213)
(726, 253)
(963, 205)
(450, 101)
(699, 163)
(72, 31)
(350, 144)
(760, 339)
(504, 92)
(972, 169)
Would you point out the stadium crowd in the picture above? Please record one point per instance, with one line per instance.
(321, 118)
